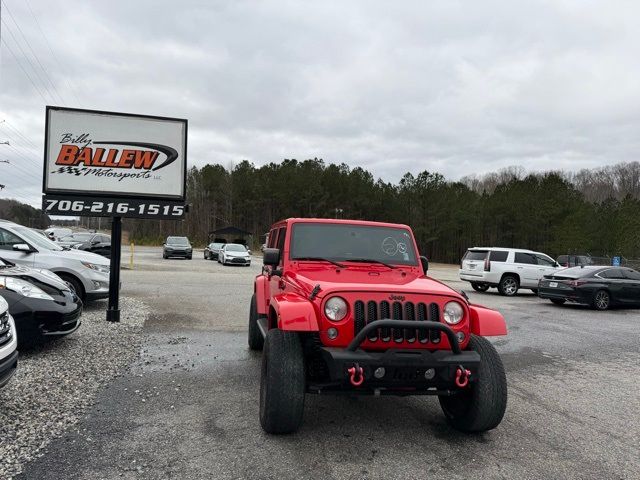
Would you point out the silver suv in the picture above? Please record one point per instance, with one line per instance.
(507, 269)
(87, 273)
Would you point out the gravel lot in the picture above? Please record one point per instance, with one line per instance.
(56, 383)
(188, 406)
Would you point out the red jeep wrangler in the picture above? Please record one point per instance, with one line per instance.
(346, 306)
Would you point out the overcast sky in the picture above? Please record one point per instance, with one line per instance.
(453, 87)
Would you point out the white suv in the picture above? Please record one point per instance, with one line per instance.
(86, 272)
(508, 269)
(8, 344)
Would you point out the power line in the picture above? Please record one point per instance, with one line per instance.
(23, 70)
(33, 52)
(24, 55)
(17, 132)
(55, 57)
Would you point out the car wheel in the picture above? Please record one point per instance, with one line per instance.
(558, 301)
(206, 257)
(256, 340)
(282, 383)
(481, 405)
(75, 285)
(508, 286)
(189, 257)
(601, 300)
(479, 287)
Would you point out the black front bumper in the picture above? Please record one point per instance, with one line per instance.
(37, 319)
(178, 253)
(7, 368)
(399, 371)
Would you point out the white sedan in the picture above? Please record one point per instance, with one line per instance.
(234, 254)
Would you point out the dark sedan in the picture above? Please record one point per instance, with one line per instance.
(212, 250)
(598, 287)
(98, 243)
(177, 247)
(42, 305)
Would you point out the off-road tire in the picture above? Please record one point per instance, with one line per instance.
(558, 301)
(282, 383)
(508, 286)
(479, 287)
(256, 340)
(601, 300)
(481, 405)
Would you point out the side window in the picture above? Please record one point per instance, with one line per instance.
(631, 274)
(281, 234)
(273, 235)
(613, 273)
(545, 261)
(527, 258)
(498, 256)
(8, 240)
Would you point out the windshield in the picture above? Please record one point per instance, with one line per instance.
(215, 245)
(37, 240)
(77, 237)
(344, 242)
(177, 241)
(234, 247)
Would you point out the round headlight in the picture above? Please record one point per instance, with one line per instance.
(453, 313)
(335, 309)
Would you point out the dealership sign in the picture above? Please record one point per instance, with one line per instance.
(114, 164)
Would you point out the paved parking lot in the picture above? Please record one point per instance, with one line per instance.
(188, 409)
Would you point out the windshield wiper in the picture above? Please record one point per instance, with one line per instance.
(320, 259)
(370, 260)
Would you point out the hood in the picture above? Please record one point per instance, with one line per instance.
(368, 278)
(39, 275)
(83, 256)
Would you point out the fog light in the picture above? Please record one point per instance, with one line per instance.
(460, 336)
(429, 373)
(96, 285)
(379, 372)
(332, 333)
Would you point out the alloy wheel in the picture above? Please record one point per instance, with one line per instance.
(510, 286)
(602, 300)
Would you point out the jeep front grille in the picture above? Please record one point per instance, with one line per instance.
(5, 330)
(370, 311)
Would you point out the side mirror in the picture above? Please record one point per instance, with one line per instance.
(22, 247)
(425, 264)
(249, 252)
(271, 257)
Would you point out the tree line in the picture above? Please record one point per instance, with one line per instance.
(593, 211)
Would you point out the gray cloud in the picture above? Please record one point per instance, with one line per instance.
(453, 87)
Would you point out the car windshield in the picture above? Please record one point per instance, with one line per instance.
(344, 242)
(77, 237)
(216, 245)
(177, 241)
(37, 240)
(235, 247)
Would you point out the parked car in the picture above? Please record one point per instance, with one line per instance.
(8, 344)
(347, 307)
(55, 233)
(575, 260)
(93, 242)
(212, 250)
(85, 272)
(177, 247)
(507, 269)
(41, 303)
(599, 287)
(234, 254)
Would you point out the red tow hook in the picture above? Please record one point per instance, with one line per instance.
(356, 375)
(462, 376)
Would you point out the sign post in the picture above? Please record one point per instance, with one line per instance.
(108, 164)
(113, 309)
